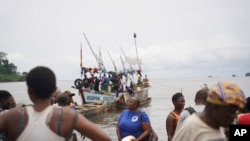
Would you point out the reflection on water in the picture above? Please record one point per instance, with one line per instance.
(107, 122)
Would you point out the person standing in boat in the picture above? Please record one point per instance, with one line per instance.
(86, 83)
(173, 117)
(121, 89)
(105, 83)
(115, 82)
(92, 81)
(130, 91)
(139, 82)
(97, 81)
(42, 120)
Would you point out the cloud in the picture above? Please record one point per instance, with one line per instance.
(174, 38)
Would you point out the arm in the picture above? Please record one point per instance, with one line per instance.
(10, 122)
(2, 122)
(170, 126)
(90, 130)
(118, 133)
(146, 126)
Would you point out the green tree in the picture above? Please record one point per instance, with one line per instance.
(8, 71)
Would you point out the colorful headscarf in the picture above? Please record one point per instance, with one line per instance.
(226, 93)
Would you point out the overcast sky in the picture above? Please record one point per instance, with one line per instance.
(175, 38)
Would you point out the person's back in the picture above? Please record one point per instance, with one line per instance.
(97, 81)
(200, 102)
(42, 121)
(106, 80)
(105, 83)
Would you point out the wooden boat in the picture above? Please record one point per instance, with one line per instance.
(145, 103)
(114, 99)
(121, 102)
(92, 109)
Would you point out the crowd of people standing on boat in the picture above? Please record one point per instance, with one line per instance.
(110, 82)
(208, 118)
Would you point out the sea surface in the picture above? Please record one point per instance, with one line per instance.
(161, 93)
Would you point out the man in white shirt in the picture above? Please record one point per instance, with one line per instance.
(200, 102)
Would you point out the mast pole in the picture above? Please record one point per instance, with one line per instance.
(137, 52)
(91, 48)
(101, 60)
(81, 59)
(112, 62)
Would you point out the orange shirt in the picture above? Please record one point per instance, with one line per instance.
(177, 116)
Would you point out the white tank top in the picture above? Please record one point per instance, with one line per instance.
(37, 129)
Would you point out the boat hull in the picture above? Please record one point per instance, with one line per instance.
(92, 109)
(118, 102)
(92, 97)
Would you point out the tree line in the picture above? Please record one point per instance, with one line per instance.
(8, 70)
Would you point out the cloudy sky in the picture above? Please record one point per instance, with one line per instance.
(175, 38)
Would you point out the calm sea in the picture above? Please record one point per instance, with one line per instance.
(161, 93)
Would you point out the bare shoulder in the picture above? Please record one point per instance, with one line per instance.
(170, 116)
(65, 113)
(12, 115)
(10, 121)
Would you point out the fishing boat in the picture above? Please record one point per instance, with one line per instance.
(114, 97)
(92, 109)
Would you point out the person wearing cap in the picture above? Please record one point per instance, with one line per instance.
(63, 100)
(224, 99)
(71, 102)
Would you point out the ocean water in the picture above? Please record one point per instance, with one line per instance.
(161, 93)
